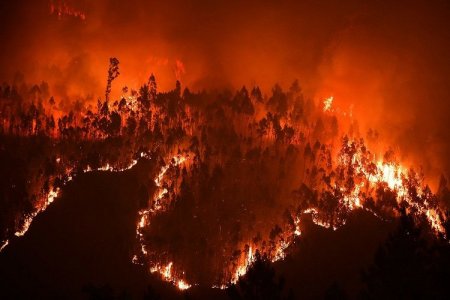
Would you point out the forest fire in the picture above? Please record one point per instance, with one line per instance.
(165, 150)
(327, 104)
(166, 274)
(52, 195)
(331, 186)
(243, 267)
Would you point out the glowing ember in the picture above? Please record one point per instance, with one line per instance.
(297, 231)
(4, 244)
(52, 195)
(26, 225)
(182, 285)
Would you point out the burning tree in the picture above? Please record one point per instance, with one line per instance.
(113, 72)
(248, 170)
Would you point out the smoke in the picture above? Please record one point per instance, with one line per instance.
(390, 65)
(388, 62)
(220, 44)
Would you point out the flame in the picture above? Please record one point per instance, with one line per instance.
(109, 168)
(55, 192)
(4, 244)
(362, 174)
(327, 104)
(317, 220)
(297, 231)
(182, 285)
(165, 271)
(394, 176)
(242, 268)
(51, 196)
(388, 173)
(158, 205)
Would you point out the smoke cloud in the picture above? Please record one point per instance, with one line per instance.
(387, 62)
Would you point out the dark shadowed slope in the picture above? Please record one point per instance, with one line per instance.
(86, 238)
(323, 257)
(83, 245)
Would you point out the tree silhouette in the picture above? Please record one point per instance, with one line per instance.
(260, 282)
(113, 72)
(335, 292)
(408, 266)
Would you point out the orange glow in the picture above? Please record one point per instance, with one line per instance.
(327, 104)
(343, 178)
(61, 9)
(233, 157)
(242, 268)
(158, 205)
(3, 245)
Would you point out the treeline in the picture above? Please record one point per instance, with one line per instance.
(257, 163)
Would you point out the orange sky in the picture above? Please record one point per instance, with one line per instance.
(389, 61)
